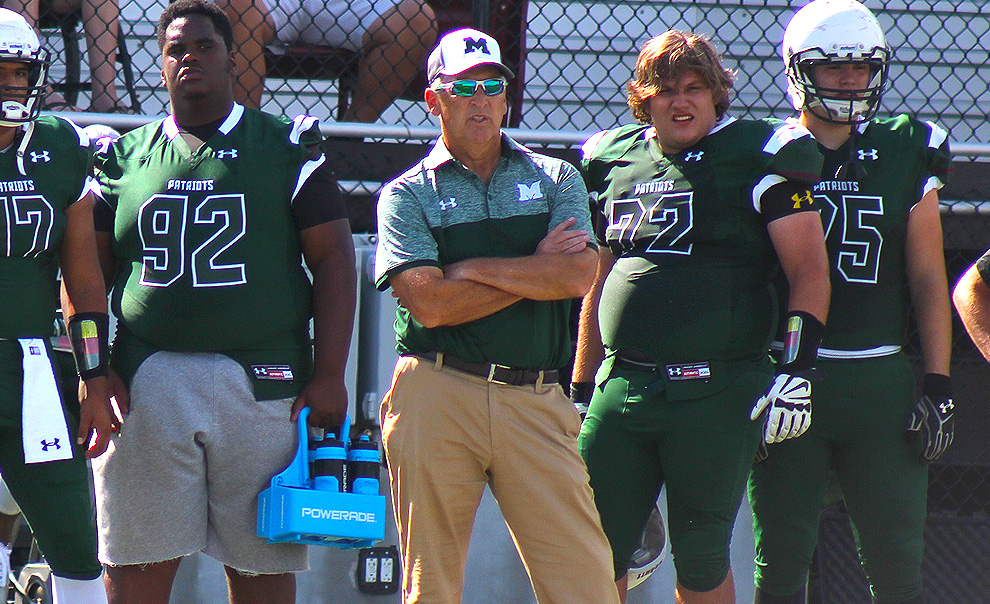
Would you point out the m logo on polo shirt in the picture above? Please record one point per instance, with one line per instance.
(529, 192)
(472, 45)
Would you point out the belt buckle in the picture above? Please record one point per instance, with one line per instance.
(491, 373)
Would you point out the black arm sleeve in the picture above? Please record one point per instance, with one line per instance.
(786, 198)
(319, 200)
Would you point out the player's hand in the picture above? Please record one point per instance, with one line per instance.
(788, 406)
(121, 398)
(327, 402)
(560, 240)
(96, 420)
(932, 425)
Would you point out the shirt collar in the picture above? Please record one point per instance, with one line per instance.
(440, 155)
(233, 118)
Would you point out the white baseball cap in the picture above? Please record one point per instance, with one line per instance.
(464, 49)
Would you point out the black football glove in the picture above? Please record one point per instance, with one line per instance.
(931, 425)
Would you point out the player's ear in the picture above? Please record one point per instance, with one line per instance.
(432, 101)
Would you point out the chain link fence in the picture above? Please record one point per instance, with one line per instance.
(573, 59)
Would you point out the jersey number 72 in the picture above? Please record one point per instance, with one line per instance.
(663, 224)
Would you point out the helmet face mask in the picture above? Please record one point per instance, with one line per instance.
(19, 44)
(841, 105)
(827, 32)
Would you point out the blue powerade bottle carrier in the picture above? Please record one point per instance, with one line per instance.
(291, 510)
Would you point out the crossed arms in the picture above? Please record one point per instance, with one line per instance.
(563, 266)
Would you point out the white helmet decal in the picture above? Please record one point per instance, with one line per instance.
(19, 43)
(827, 31)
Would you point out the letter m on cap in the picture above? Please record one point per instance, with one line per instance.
(472, 45)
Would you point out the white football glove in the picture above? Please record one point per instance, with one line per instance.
(934, 426)
(788, 405)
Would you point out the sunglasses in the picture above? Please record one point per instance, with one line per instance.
(492, 87)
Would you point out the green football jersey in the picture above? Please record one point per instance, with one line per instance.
(33, 221)
(208, 254)
(865, 224)
(694, 269)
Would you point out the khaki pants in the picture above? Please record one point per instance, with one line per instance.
(446, 435)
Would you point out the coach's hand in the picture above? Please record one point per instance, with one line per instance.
(788, 407)
(931, 425)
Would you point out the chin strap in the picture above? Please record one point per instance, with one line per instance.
(852, 169)
(22, 147)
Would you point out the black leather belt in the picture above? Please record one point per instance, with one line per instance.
(494, 373)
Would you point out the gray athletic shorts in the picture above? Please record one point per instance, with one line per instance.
(185, 472)
(339, 23)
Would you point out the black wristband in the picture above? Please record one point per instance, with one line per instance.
(937, 385)
(581, 392)
(89, 334)
(802, 336)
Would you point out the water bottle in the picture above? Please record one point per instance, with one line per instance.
(328, 464)
(363, 463)
(314, 444)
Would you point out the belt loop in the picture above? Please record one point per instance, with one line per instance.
(438, 365)
(538, 387)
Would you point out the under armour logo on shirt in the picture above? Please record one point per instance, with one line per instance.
(529, 192)
(231, 153)
(450, 203)
(693, 155)
(868, 154)
(45, 444)
(42, 156)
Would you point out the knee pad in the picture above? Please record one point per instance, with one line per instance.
(701, 574)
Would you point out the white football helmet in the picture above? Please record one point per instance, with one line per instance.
(826, 31)
(19, 43)
(651, 551)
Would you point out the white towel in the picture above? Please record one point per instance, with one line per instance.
(44, 432)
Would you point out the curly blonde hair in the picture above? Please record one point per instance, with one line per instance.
(665, 58)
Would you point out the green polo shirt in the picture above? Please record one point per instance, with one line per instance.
(439, 212)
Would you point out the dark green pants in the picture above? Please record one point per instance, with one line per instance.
(643, 431)
(54, 497)
(859, 418)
